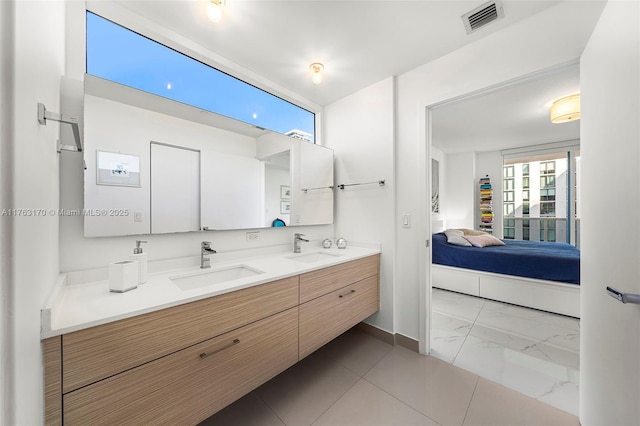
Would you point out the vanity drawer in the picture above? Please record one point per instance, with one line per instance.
(186, 388)
(317, 283)
(102, 351)
(325, 318)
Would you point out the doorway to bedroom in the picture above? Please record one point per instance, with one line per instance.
(530, 171)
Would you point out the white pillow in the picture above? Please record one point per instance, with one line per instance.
(456, 237)
(483, 240)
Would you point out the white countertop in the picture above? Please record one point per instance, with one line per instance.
(83, 299)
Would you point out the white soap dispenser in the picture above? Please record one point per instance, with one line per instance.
(142, 262)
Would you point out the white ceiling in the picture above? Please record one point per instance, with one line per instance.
(360, 42)
(513, 116)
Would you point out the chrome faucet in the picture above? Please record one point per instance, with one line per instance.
(205, 251)
(297, 239)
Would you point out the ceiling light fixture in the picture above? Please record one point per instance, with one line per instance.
(214, 9)
(565, 109)
(317, 70)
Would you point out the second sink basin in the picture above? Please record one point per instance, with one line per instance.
(313, 257)
(209, 277)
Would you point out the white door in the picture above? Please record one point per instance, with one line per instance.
(175, 189)
(610, 225)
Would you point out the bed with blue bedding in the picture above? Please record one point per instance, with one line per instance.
(539, 275)
(531, 259)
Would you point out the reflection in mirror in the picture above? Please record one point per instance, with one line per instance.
(197, 170)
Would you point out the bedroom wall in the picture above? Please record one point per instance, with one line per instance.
(438, 222)
(459, 197)
(490, 163)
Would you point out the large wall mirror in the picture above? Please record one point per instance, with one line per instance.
(158, 166)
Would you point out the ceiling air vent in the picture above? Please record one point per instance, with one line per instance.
(482, 15)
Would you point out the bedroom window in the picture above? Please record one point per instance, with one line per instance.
(540, 188)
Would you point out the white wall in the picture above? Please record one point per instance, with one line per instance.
(610, 135)
(489, 163)
(459, 177)
(361, 131)
(508, 54)
(438, 222)
(38, 65)
(6, 222)
(459, 194)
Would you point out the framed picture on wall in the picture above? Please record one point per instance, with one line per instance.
(117, 169)
(285, 192)
(285, 207)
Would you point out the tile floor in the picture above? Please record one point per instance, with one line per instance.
(360, 380)
(533, 352)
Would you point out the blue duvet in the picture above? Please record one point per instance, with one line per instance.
(531, 259)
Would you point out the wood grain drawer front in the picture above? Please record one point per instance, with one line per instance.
(102, 351)
(317, 283)
(185, 388)
(325, 318)
(52, 365)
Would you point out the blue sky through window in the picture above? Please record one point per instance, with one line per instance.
(121, 55)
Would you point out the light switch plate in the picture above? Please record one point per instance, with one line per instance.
(406, 221)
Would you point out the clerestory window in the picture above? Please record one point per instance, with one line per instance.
(123, 56)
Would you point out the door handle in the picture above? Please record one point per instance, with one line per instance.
(623, 297)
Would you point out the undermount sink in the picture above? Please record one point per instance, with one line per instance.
(210, 277)
(313, 257)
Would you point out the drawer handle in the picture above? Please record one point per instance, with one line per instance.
(347, 294)
(203, 355)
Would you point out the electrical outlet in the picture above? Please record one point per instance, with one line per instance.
(137, 216)
(253, 236)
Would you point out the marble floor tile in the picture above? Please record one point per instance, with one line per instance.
(456, 304)
(447, 335)
(534, 348)
(495, 405)
(520, 323)
(533, 352)
(518, 370)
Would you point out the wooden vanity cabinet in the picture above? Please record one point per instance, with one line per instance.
(318, 283)
(337, 298)
(102, 351)
(182, 364)
(327, 317)
(190, 385)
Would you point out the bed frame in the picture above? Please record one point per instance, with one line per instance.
(544, 295)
